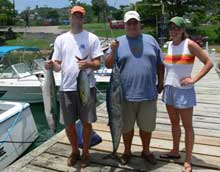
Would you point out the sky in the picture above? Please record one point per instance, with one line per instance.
(21, 5)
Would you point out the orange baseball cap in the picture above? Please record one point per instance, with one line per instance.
(78, 9)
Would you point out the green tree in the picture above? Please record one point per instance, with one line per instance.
(117, 14)
(100, 7)
(171, 7)
(6, 12)
(53, 15)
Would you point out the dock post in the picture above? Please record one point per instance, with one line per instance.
(213, 57)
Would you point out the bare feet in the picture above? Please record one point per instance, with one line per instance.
(187, 167)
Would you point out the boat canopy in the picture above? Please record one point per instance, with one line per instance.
(7, 49)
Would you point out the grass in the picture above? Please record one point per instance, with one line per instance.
(22, 40)
(103, 29)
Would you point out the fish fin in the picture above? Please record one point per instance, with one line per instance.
(77, 58)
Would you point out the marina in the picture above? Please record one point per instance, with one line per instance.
(32, 134)
(52, 155)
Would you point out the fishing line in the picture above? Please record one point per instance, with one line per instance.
(111, 31)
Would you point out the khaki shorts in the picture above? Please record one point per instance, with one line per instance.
(143, 112)
(72, 109)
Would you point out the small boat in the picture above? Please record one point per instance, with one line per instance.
(20, 76)
(103, 74)
(17, 131)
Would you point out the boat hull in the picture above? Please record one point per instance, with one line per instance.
(17, 128)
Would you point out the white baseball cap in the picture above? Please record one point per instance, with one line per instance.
(131, 15)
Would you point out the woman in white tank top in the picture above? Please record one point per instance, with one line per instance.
(179, 94)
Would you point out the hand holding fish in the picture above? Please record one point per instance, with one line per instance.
(84, 64)
(114, 45)
(48, 64)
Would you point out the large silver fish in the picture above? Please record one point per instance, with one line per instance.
(83, 85)
(114, 101)
(49, 93)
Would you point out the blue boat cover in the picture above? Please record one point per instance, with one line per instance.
(7, 49)
(95, 138)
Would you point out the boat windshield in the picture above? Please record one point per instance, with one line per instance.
(16, 71)
(20, 64)
(38, 65)
(21, 70)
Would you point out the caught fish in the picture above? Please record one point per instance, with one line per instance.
(114, 99)
(83, 85)
(49, 93)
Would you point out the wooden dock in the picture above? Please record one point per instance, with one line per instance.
(52, 155)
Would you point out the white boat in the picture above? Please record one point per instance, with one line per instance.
(20, 80)
(17, 131)
(103, 75)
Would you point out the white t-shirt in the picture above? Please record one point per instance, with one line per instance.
(67, 47)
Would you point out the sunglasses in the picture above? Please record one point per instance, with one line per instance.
(78, 16)
(174, 28)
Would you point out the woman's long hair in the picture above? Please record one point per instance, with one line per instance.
(184, 35)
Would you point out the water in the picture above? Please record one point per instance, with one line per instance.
(42, 126)
(41, 123)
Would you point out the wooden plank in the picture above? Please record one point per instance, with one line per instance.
(167, 144)
(167, 127)
(97, 157)
(163, 110)
(197, 160)
(196, 118)
(196, 124)
(198, 131)
(52, 162)
(136, 163)
(31, 168)
(197, 113)
(203, 140)
(22, 162)
(200, 127)
(205, 111)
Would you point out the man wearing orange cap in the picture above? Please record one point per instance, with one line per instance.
(76, 50)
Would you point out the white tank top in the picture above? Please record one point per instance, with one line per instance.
(178, 63)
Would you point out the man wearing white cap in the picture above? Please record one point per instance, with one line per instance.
(139, 57)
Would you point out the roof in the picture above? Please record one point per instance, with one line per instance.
(7, 49)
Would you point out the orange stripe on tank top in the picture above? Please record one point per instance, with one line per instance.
(179, 59)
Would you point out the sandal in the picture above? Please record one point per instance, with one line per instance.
(170, 156)
(149, 158)
(187, 166)
(125, 159)
(85, 161)
(72, 159)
